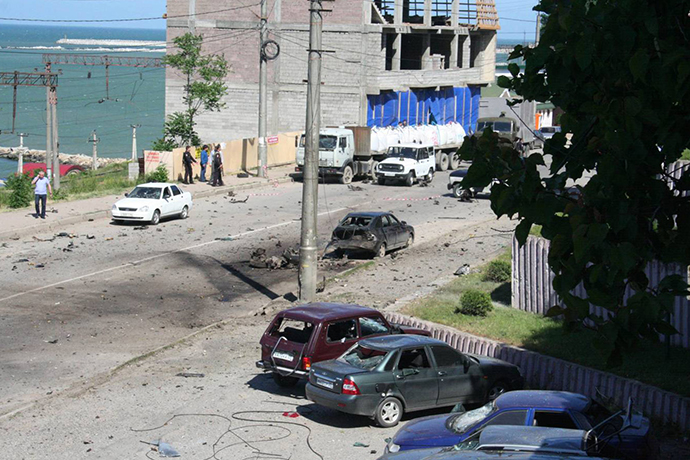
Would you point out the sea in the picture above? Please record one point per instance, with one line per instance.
(136, 96)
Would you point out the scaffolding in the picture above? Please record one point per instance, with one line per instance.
(479, 14)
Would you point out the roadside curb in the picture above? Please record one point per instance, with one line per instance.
(105, 213)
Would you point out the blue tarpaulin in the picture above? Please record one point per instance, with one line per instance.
(425, 106)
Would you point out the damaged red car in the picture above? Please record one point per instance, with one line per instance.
(299, 337)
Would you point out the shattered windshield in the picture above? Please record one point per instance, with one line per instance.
(403, 152)
(363, 357)
(149, 193)
(356, 221)
(466, 420)
(497, 126)
(325, 142)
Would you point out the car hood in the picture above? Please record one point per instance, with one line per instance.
(135, 203)
(427, 432)
(487, 362)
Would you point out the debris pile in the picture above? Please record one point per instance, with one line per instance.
(288, 259)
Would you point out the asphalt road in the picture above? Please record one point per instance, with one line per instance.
(73, 308)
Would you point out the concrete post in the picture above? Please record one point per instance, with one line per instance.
(308, 257)
(397, 51)
(56, 141)
(427, 12)
(466, 51)
(455, 10)
(20, 156)
(426, 55)
(454, 47)
(398, 12)
(49, 131)
(134, 142)
(94, 159)
(263, 93)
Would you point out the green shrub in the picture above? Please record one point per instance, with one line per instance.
(685, 155)
(60, 194)
(20, 190)
(498, 271)
(159, 175)
(474, 302)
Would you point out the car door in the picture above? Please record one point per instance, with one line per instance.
(167, 204)
(400, 232)
(177, 198)
(389, 233)
(416, 379)
(336, 337)
(459, 380)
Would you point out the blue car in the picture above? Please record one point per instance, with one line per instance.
(556, 409)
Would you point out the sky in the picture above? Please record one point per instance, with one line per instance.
(517, 17)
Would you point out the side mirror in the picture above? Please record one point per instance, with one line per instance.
(403, 222)
(410, 371)
(126, 194)
(466, 363)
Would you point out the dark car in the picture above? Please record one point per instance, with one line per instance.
(301, 336)
(509, 441)
(376, 232)
(384, 377)
(556, 409)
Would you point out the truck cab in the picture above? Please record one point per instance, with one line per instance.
(505, 127)
(409, 163)
(343, 152)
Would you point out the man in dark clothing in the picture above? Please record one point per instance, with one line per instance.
(187, 160)
(217, 178)
(204, 163)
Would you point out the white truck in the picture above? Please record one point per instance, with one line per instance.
(409, 163)
(346, 152)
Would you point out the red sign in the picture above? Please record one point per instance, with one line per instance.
(153, 157)
(272, 140)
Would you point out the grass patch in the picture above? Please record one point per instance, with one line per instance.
(685, 155)
(647, 364)
(104, 181)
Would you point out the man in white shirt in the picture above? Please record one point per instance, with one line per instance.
(41, 190)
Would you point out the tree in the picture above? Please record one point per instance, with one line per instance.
(620, 70)
(203, 91)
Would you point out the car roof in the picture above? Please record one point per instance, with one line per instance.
(546, 438)
(495, 119)
(325, 311)
(396, 341)
(367, 214)
(541, 398)
(413, 145)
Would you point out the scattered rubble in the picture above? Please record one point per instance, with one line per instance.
(464, 270)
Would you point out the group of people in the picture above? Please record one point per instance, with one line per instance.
(216, 159)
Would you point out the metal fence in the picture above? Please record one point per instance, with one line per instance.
(532, 289)
(547, 373)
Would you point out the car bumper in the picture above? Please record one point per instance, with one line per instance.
(364, 245)
(392, 175)
(130, 215)
(350, 404)
(323, 170)
(282, 370)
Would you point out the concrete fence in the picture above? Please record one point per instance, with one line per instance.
(547, 373)
(532, 289)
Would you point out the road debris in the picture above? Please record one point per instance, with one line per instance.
(464, 270)
(43, 239)
(51, 341)
(290, 414)
(360, 444)
(225, 238)
(90, 237)
(239, 201)
(142, 227)
(190, 375)
(355, 188)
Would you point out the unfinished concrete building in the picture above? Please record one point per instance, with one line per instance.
(391, 61)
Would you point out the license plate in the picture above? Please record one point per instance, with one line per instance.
(283, 356)
(389, 174)
(324, 383)
(127, 214)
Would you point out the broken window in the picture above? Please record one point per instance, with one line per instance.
(386, 8)
(441, 12)
(293, 330)
(413, 359)
(342, 331)
(413, 11)
(371, 326)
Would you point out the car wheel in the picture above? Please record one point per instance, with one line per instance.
(285, 381)
(389, 412)
(496, 390)
(410, 241)
(430, 176)
(457, 190)
(156, 217)
(185, 213)
(381, 251)
(409, 179)
(443, 162)
(454, 161)
(347, 176)
(374, 167)
(382, 180)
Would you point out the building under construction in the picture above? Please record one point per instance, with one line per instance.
(387, 61)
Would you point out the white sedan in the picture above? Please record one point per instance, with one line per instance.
(150, 202)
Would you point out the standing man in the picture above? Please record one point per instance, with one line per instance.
(187, 160)
(204, 163)
(42, 188)
(218, 166)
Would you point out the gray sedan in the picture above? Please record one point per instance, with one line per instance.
(384, 377)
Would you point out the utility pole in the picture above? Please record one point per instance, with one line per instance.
(20, 159)
(134, 141)
(56, 141)
(49, 131)
(263, 93)
(94, 140)
(308, 257)
(537, 34)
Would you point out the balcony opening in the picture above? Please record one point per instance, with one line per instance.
(440, 51)
(413, 11)
(412, 52)
(388, 42)
(386, 9)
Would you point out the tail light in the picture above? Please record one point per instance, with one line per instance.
(350, 387)
(306, 363)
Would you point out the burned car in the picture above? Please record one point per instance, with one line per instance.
(384, 377)
(376, 232)
(298, 337)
